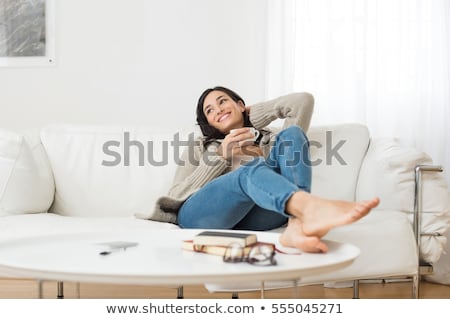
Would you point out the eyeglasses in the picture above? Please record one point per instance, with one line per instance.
(260, 255)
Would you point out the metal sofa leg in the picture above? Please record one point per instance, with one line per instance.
(296, 289)
(60, 290)
(40, 289)
(234, 295)
(180, 293)
(418, 212)
(262, 290)
(355, 289)
(415, 286)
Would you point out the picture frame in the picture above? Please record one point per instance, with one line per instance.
(27, 33)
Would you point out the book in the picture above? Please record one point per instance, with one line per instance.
(217, 238)
(214, 249)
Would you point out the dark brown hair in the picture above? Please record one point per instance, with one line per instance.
(209, 132)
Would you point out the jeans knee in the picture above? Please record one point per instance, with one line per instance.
(257, 161)
(293, 133)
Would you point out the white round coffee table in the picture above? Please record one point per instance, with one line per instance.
(157, 259)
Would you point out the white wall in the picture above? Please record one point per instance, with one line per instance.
(138, 62)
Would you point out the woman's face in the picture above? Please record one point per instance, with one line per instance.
(222, 112)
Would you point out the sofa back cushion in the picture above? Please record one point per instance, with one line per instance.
(26, 180)
(120, 171)
(337, 152)
(107, 170)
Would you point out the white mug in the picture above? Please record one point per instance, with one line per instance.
(254, 131)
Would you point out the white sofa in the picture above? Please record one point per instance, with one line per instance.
(74, 178)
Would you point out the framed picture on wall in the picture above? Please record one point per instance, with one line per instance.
(27, 33)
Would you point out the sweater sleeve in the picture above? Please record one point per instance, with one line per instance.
(197, 167)
(295, 108)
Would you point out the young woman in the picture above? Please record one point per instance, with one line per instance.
(230, 181)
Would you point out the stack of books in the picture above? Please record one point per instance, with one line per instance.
(217, 242)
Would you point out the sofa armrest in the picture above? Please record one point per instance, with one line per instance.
(418, 209)
(388, 171)
(26, 178)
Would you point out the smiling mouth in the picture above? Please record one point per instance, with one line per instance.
(223, 117)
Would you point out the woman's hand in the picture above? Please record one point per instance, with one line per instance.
(238, 142)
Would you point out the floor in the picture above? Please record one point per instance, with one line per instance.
(23, 289)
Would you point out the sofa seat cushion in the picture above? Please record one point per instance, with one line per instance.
(386, 241)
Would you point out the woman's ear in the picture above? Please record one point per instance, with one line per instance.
(241, 106)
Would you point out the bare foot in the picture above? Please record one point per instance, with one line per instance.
(294, 237)
(319, 215)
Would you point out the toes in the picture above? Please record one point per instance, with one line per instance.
(372, 203)
(358, 212)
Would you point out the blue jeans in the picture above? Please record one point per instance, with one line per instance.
(254, 196)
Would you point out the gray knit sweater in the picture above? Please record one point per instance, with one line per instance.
(202, 164)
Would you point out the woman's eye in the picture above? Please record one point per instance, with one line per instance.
(222, 101)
